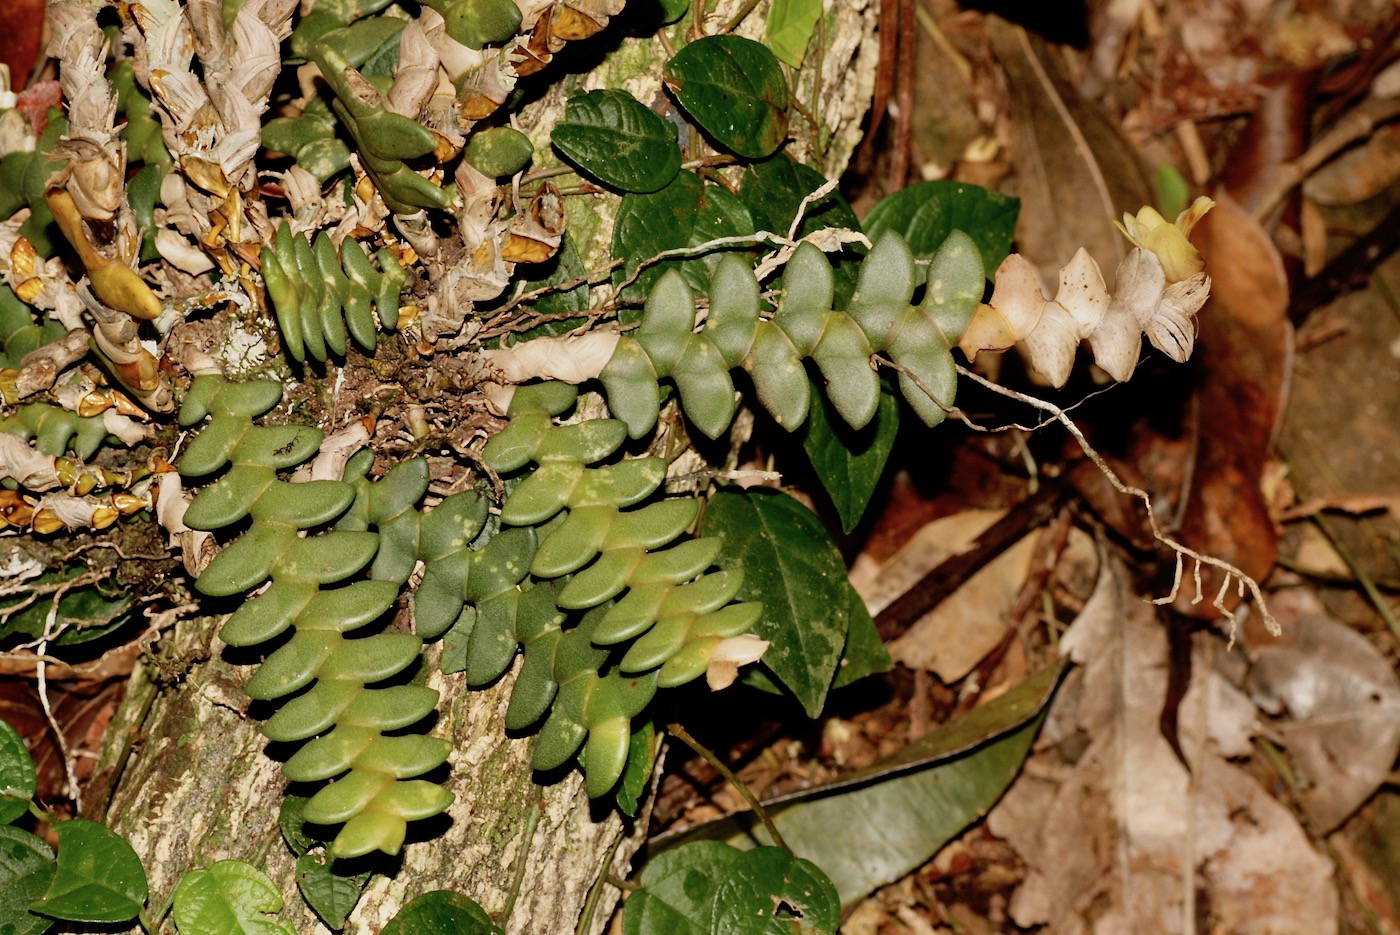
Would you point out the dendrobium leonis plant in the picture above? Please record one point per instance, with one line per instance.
(1160, 285)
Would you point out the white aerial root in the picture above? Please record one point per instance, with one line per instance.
(1232, 573)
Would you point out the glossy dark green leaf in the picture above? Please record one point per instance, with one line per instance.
(618, 140)
(925, 214)
(441, 911)
(865, 653)
(26, 867)
(768, 891)
(230, 897)
(293, 826)
(678, 889)
(554, 309)
(17, 778)
(790, 565)
(790, 26)
(672, 10)
(849, 462)
(685, 213)
(332, 896)
(84, 613)
(735, 90)
(99, 878)
(773, 191)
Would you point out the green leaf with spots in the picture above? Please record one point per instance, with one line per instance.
(685, 213)
(230, 897)
(734, 89)
(619, 141)
(927, 212)
(17, 779)
(332, 896)
(441, 911)
(849, 462)
(26, 867)
(678, 890)
(768, 891)
(865, 653)
(773, 190)
(791, 565)
(99, 878)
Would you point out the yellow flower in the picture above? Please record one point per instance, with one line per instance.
(1150, 231)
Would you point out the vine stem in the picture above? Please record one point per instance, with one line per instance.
(595, 893)
(680, 733)
(527, 837)
(41, 670)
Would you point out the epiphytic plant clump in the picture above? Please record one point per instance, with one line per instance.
(235, 193)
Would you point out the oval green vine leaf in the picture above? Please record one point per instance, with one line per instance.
(442, 911)
(17, 779)
(230, 897)
(768, 891)
(685, 213)
(735, 90)
(927, 212)
(773, 190)
(849, 461)
(99, 878)
(791, 565)
(26, 866)
(619, 141)
(332, 896)
(678, 890)
(790, 26)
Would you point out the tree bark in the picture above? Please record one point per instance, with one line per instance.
(199, 785)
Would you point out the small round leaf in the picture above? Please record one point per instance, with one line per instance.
(619, 141)
(735, 90)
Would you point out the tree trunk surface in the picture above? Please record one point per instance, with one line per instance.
(201, 784)
(187, 777)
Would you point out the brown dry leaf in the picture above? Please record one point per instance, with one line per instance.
(1343, 700)
(1245, 338)
(1359, 173)
(1114, 834)
(1075, 170)
(957, 634)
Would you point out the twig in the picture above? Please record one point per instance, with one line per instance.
(1347, 269)
(945, 578)
(678, 731)
(595, 893)
(740, 15)
(1362, 577)
(1358, 124)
